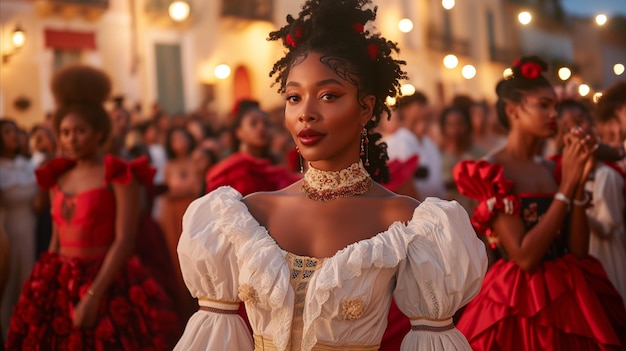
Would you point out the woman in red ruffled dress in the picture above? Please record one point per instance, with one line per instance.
(546, 293)
(249, 169)
(88, 292)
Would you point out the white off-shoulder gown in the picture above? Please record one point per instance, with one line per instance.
(432, 266)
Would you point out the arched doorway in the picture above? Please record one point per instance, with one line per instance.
(242, 85)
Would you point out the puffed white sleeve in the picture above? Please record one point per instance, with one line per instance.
(443, 271)
(210, 271)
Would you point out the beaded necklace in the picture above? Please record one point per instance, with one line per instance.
(326, 186)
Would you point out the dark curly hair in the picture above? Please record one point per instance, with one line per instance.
(526, 77)
(82, 90)
(612, 99)
(336, 28)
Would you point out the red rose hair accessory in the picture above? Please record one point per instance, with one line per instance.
(359, 27)
(372, 51)
(289, 38)
(531, 70)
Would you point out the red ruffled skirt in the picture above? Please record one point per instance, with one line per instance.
(567, 304)
(135, 314)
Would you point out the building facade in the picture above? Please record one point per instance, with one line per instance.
(152, 58)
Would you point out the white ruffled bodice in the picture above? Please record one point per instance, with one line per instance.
(348, 295)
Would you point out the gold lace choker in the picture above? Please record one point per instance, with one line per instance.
(326, 186)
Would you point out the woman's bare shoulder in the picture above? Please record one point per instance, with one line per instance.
(396, 207)
(263, 202)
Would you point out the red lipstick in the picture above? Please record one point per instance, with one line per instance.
(309, 137)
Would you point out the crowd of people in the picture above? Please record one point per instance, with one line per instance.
(301, 229)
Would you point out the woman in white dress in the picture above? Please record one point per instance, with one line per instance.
(18, 190)
(318, 262)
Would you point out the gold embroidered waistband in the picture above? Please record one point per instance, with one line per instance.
(262, 343)
(218, 304)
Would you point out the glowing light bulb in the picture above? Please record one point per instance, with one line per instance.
(447, 4)
(564, 73)
(468, 71)
(179, 10)
(596, 97)
(450, 61)
(18, 38)
(584, 90)
(524, 17)
(507, 73)
(407, 89)
(222, 71)
(405, 25)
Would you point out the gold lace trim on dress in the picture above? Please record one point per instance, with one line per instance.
(301, 270)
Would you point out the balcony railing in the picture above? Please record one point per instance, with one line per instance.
(445, 43)
(248, 9)
(89, 9)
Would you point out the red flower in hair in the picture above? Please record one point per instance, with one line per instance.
(372, 51)
(358, 27)
(531, 70)
(289, 38)
(290, 41)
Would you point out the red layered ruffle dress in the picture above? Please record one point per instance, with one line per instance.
(566, 304)
(134, 314)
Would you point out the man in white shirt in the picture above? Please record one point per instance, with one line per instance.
(402, 145)
(417, 116)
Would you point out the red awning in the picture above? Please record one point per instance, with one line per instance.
(69, 40)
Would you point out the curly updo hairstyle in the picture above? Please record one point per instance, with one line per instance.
(82, 90)
(526, 77)
(336, 29)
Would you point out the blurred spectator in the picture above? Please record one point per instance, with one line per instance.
(485, 136)
(457, 145)
(183, 186)
(23, 140)
(249, 169)
(606, 216)
(120, 117)
(417, 114)
(44, 148)
(18, 190)
(43, 145)
(402, 149)
(203, 159)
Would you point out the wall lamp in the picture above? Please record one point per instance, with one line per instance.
(18, 39)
